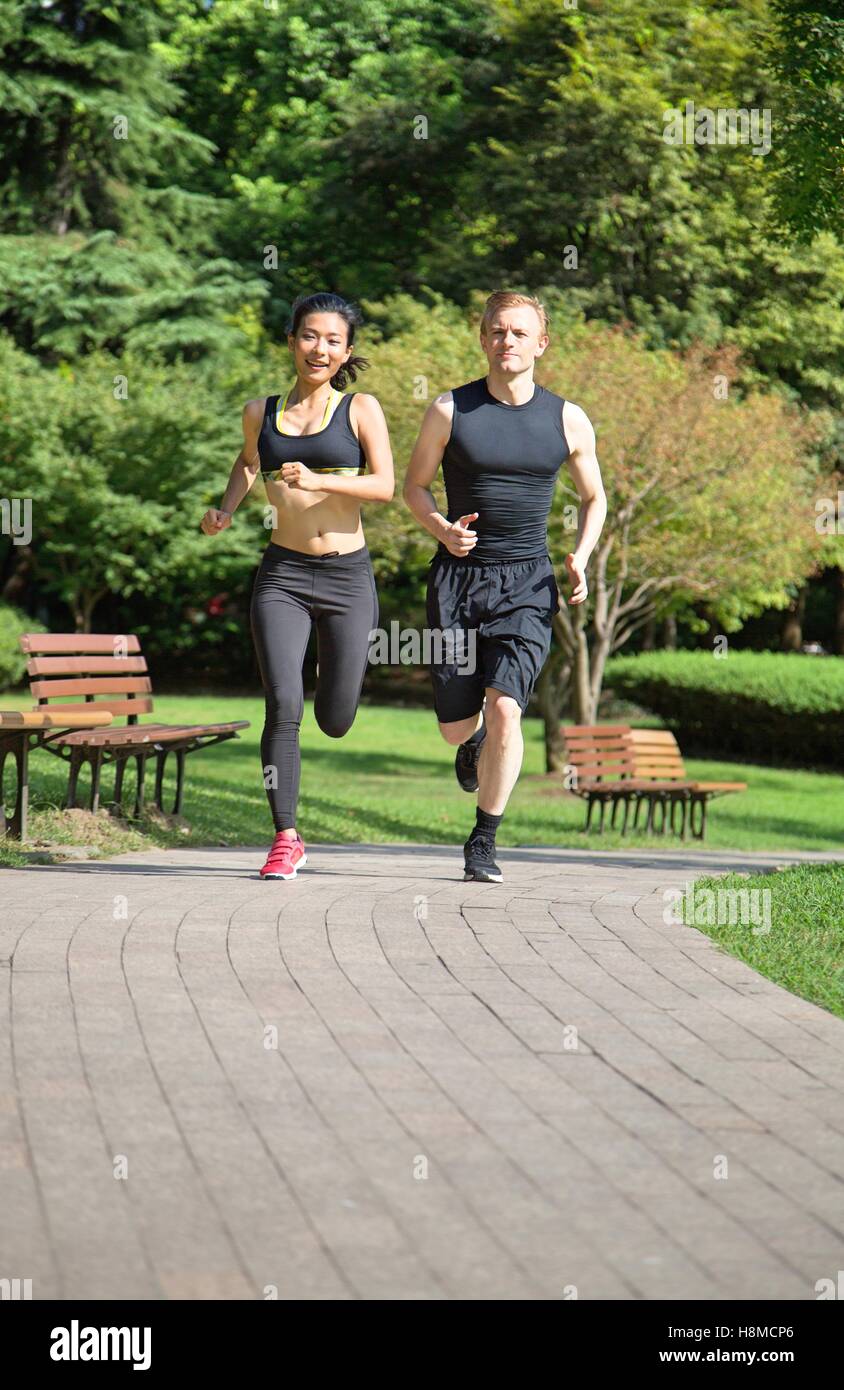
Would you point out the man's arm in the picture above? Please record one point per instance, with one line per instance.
(246, 468)
(421, 472)
(586, 476)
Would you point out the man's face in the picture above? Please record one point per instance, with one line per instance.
(514, 339)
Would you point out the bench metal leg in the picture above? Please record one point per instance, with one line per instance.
(698, 804)
(181, 754)
(160, 761)
(140, 760)
(73, 777)
(17, 748)
(116, 807)
(96, 761)
(78, 758)
(679, 803)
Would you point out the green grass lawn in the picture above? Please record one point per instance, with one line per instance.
(799, 942)
(390, 780)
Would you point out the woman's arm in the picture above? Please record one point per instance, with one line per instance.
(378, 485)
(246, 468)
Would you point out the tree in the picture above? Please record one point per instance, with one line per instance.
(87, 132)
(63, 297)
(806, 53)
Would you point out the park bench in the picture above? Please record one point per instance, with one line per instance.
(110, 672)
(18, 733)
(621, 767)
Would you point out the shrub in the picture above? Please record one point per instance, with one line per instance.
(12, 660)
(781, 708)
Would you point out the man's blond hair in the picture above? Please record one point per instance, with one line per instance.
(508, 299)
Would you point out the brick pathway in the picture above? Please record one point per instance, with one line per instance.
(379, 1082)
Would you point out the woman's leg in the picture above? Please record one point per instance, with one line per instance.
(345, 613)
(281, 626)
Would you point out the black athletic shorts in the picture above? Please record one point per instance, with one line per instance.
(509, 607)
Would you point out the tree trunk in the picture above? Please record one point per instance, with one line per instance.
(552, 691)
(63, 188)
(581, 685)
(649, 634)
(791, 636)
(15, 586)
(669, 632)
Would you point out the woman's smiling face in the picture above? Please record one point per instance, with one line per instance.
(320, 346)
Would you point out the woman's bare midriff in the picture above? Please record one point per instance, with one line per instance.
(314, 522)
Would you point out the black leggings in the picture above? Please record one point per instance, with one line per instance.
(292, 591)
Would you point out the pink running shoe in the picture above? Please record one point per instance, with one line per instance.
(285, 857)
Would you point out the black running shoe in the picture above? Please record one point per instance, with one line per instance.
(478, 852)
(466, 764)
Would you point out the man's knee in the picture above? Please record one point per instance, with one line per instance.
(503, 715)
(459, 731)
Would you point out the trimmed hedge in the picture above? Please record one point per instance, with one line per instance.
(12, 660)
(767, 707)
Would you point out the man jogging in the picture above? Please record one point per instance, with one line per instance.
(501, 441)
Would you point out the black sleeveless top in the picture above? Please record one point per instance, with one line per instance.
(333, 449)
(502, 461)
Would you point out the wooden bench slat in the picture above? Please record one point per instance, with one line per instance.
(115, 685)
(84, 665)
(586, 755)
(124, 735)
(644, 736)
(720, 786)
(592, 771)
(583, 730)
(104, 642)
(113, 706)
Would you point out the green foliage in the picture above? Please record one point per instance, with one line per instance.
(89, 138)
(63, 297)
(13, 622)
(787, 709)
(806, 51)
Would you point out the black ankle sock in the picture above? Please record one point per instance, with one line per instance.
(485, 824)
(478, 735)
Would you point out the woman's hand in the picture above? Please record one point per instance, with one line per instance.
(577, 577)
(300, 476)
(215, 520)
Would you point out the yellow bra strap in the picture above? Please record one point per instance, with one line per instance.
(333, 395)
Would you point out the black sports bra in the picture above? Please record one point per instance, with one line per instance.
(333, 449)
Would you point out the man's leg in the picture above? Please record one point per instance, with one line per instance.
(501, 756)
(462, 729)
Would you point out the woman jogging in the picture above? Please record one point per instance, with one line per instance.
(312, 445)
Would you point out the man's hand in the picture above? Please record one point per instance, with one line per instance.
(300, 476)
(458, 538)
(215, 520)
(577, 578)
